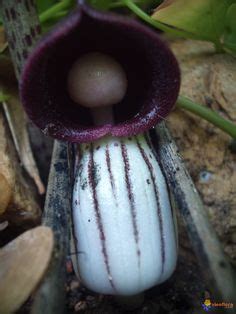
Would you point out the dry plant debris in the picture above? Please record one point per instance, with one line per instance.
(5, 194)
(209, 78)
(23, 207)
(23, 263)
(17, 121)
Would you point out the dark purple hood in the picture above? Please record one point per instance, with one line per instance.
(151, 68)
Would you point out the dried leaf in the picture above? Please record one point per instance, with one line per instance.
(5, 193)
(18, 122)
(23, 262)
(18, 126)
(23, 208)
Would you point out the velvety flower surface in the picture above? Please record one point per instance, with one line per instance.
(152, 72)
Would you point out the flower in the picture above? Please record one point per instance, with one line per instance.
(151, 68)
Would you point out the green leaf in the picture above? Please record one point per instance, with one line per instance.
(43, 5)
(3, 97)
(229, 36)
(202, 19)
(56, 12)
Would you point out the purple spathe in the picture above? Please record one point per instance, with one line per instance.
(151, 68)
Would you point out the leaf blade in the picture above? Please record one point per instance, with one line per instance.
(203, 19)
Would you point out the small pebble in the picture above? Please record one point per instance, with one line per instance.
(205, 176)
(3, 225)
(74, 285)
(80, 306)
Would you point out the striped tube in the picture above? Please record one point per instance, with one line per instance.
(124, 230)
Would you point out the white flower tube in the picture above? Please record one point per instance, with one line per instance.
(124, 230)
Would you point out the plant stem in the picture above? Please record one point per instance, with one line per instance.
(54, 10)
(22, 30)
(141, 14)
(207, 114)
(119, 4)
(102, 115)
